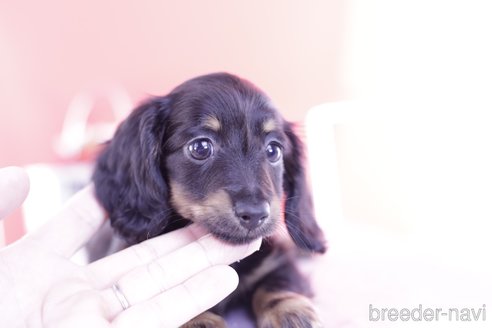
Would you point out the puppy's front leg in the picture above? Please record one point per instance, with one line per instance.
(206, 320)
(281, 301)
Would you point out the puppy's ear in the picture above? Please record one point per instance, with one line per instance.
(128, 177)
(299, 216)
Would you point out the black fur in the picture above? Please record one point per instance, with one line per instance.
(128, 175)
(150, 155)
(299, 216)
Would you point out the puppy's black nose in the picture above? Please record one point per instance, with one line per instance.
(252, 215)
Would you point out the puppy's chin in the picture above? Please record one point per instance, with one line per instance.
(238, 235)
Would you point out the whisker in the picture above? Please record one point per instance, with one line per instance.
(296, 234)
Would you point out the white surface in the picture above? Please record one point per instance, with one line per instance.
(50, 186)
(402, 192)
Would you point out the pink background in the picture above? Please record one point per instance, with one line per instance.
(50, 50)
(415, 211)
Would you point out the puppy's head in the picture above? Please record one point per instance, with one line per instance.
(214, 151)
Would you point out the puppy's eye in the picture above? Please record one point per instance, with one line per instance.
(201, 149)
(273, 152)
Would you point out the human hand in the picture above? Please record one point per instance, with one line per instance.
(166, 280)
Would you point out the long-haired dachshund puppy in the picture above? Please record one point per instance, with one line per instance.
(216, 152)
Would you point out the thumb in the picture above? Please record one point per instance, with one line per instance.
(14, 186)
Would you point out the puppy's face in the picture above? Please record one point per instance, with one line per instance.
(214, 151)
(224, 147)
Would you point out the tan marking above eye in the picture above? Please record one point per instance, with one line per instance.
(269, 125)
(212, 123)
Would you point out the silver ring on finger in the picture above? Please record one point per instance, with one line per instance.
(120, 296)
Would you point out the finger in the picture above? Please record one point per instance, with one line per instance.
(73, 225)
(73, 303)
(109, 269)
(183, 302)
(146, 281)
(14, 186)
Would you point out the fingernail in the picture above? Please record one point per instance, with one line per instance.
(253, 247)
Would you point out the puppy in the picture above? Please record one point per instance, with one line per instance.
(217, 153)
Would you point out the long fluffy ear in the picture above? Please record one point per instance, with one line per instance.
(299, 216)
(128, 177)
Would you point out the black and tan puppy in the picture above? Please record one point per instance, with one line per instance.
(217, 153)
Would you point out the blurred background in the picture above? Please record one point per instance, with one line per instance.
(51, 51)
(400, 130)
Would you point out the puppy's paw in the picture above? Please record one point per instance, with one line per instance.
(285, 310)
(206, 320)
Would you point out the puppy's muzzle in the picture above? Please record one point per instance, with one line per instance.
(252, 215)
